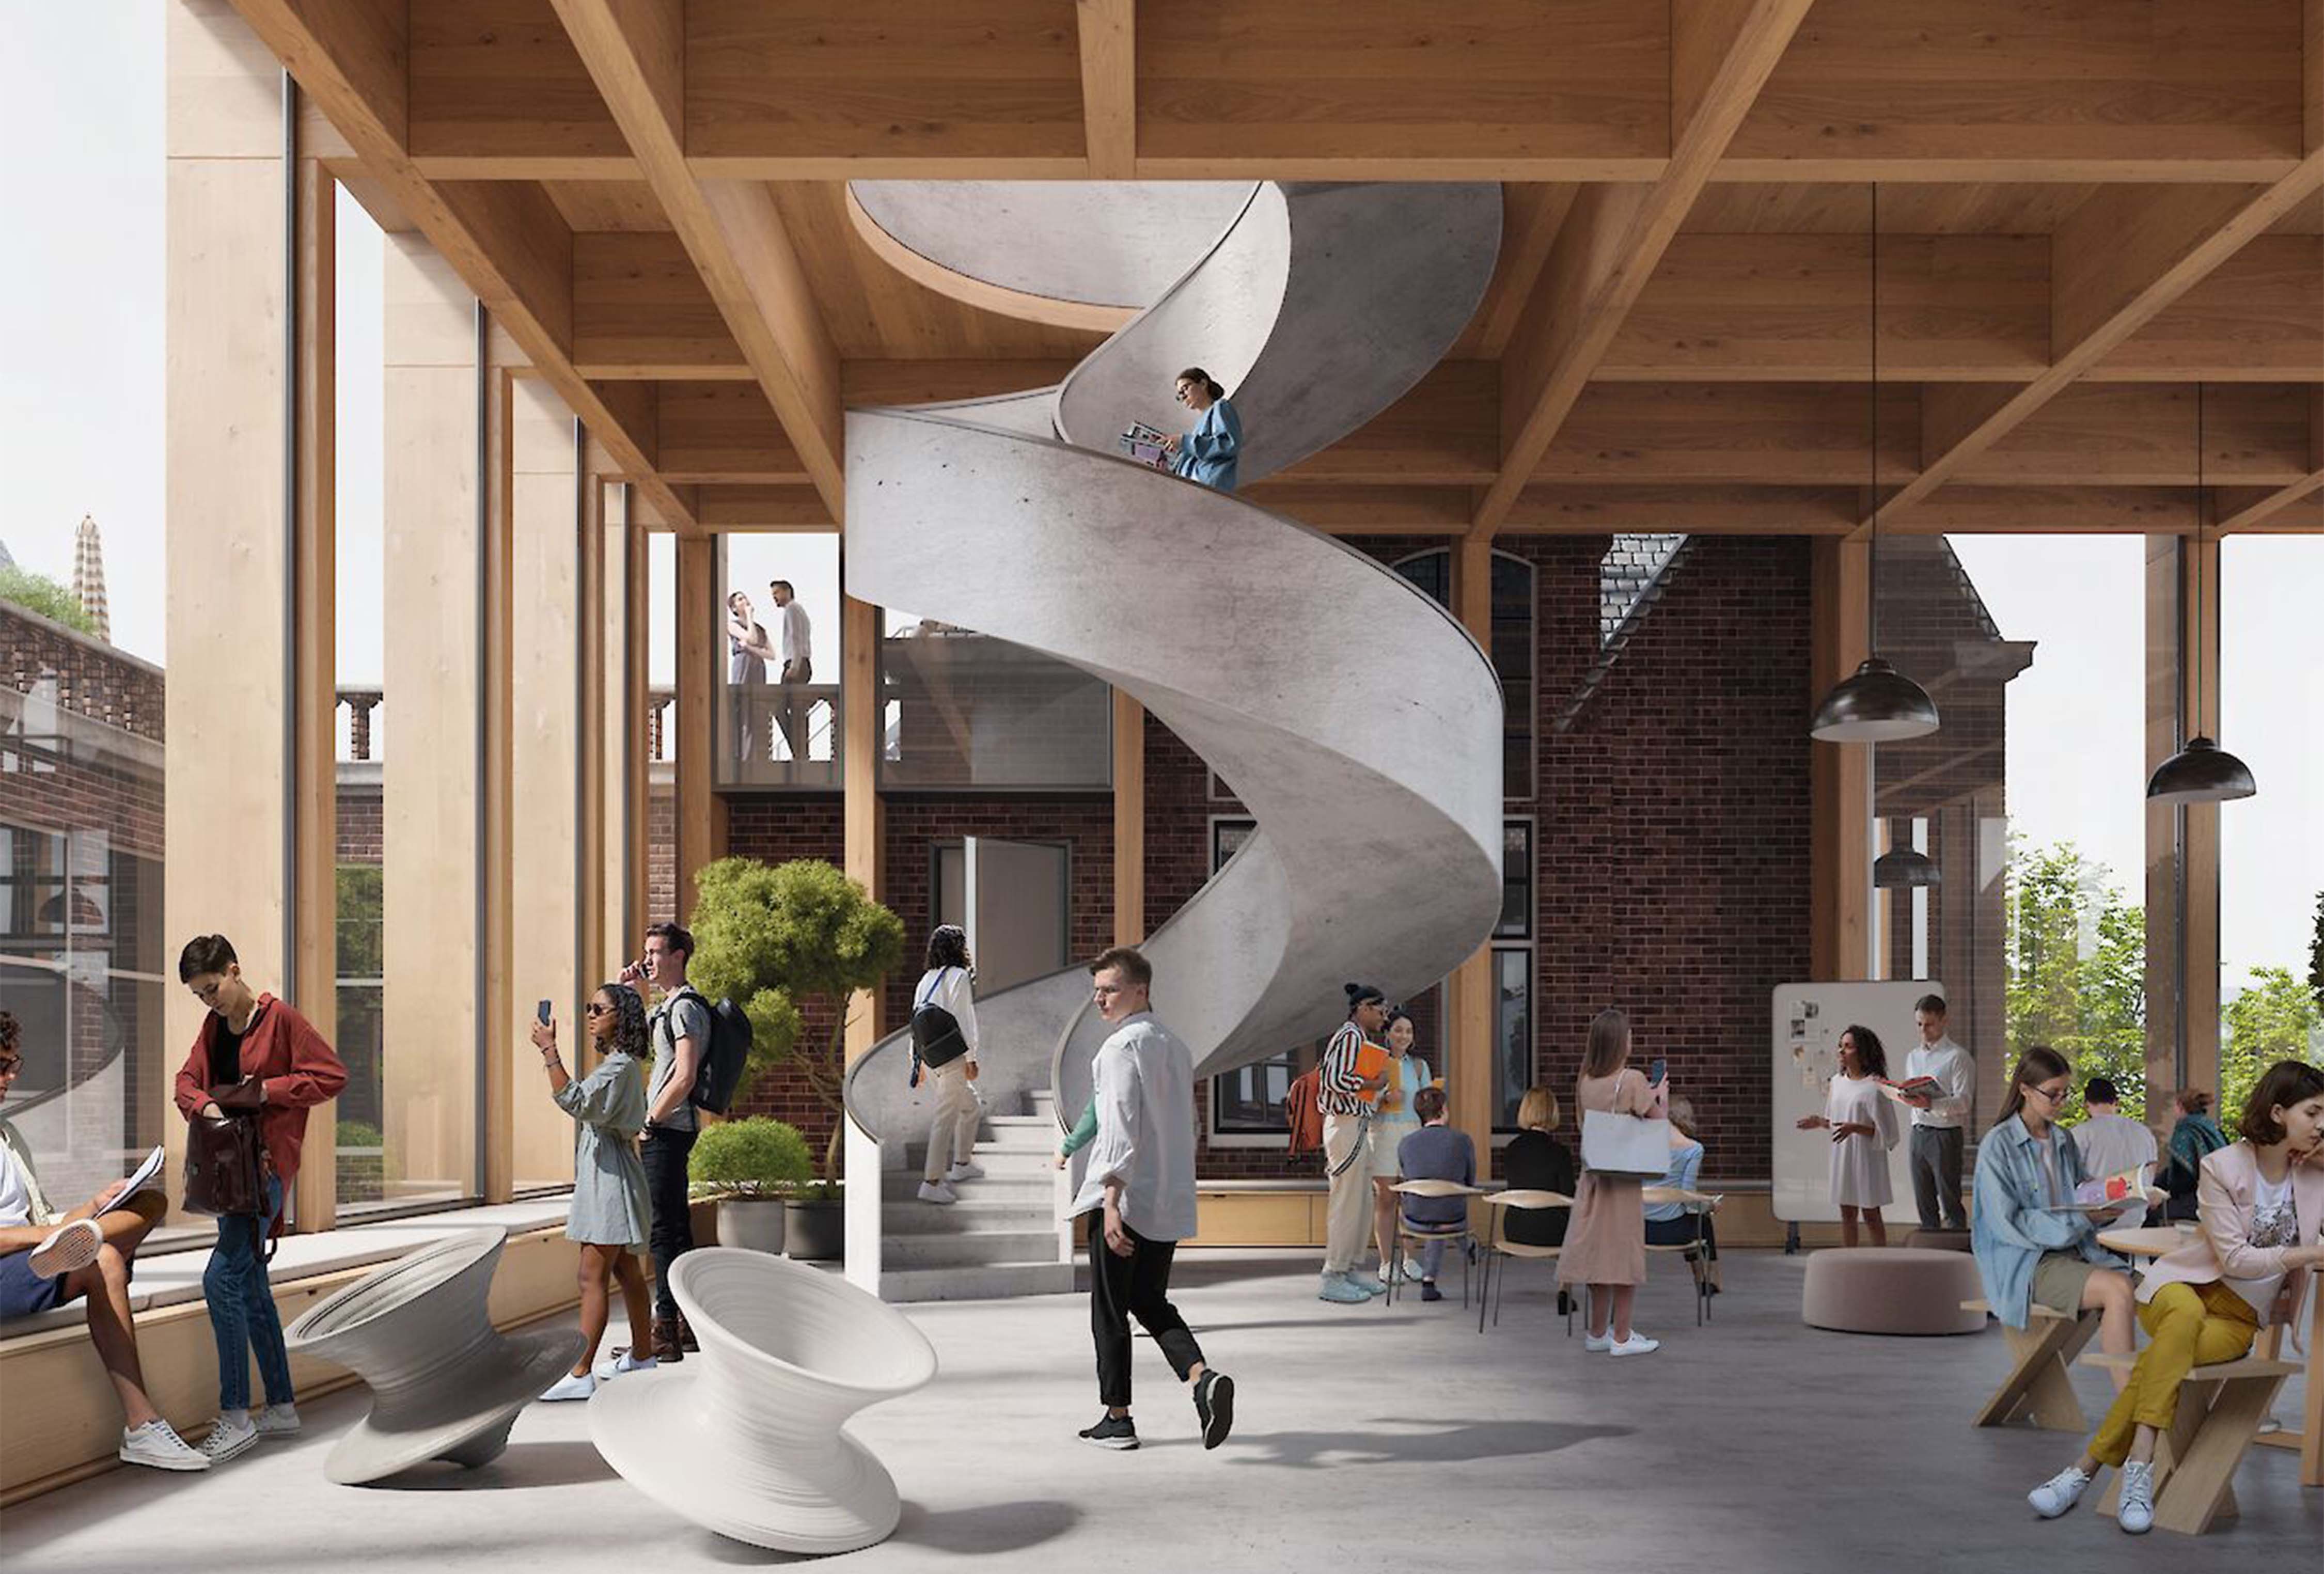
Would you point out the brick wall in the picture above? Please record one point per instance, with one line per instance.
(362, 834)
(92, 677)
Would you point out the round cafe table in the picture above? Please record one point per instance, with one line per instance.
(2144, 1242)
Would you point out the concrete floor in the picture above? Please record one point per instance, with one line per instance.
(1378, 1438)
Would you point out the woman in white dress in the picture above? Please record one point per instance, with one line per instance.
(1864, 1132)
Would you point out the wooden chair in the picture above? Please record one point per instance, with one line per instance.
(1405, 1231)
(2037, 1387)
(1501, 1202)
(1698, 1206)
(2218, 1421)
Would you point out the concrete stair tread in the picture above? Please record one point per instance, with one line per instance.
(978, 1282)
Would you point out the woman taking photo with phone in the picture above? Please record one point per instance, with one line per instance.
(1606, 1243)
(2260, 1202)
(1864, 1132)
(608, 1216)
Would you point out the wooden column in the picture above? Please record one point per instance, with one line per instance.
(2182, 841)
(315, 680)
(626, 557)
(1839, 775)
(593, 763)
(862, 726)
(1470, 1014)
(1129, 820)
(496, 778)
(229, 544)
(701, 812)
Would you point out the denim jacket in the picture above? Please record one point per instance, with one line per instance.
(2009, 1231)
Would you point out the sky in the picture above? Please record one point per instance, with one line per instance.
(81, 408)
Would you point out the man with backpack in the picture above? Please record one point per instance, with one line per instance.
(679, 1034)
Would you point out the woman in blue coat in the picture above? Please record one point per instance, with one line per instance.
(1207, 454)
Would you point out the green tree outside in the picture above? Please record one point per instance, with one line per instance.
(37, 593)
(2077, 969)
(2275, 1018)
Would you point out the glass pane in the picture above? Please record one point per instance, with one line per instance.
(1512, 1031)
(966, 710)
(1516, 922)
(780, 724)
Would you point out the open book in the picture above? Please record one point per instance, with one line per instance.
(1143, 443)
(145, 1177)
(2110, 1194)
(1912, 1088)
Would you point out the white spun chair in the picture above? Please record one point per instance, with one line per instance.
(745, 1438)
(444, 1384)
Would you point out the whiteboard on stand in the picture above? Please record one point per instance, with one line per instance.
(1807, 1021)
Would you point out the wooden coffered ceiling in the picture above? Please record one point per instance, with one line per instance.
(2092, 214)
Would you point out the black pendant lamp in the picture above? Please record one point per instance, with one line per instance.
(2202, 772)
(1905, 868)
(1877, 703)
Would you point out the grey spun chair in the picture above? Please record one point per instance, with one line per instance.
(446, 1384)
(745, 1439)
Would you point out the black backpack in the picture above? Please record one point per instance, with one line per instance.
(719, 1070)
(936, 1038)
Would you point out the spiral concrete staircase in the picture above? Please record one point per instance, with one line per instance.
(1358, 722)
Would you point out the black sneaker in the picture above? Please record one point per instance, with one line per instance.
(1111, 1431)
(1429, 1292)
(1214, 1405)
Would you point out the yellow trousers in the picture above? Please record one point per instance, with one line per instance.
(2186, 1326)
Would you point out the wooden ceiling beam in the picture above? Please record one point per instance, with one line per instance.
(2116, 262)
(636, 51)
(1108, 32)
(1722, 52)
(2237, 508)
(505, 239)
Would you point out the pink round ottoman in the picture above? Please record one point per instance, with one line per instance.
(1891, 1289)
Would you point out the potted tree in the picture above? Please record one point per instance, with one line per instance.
(780, 940)
(752, 1167)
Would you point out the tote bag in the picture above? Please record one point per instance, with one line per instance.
(1624, 1146)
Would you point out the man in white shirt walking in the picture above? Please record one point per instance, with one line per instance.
(2111, 1142)
(1935, 1155)
(1141, 1182)
(793, 644)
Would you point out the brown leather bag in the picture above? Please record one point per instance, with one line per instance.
(225, 1157)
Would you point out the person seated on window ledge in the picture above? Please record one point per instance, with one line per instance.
(1535, 1161)
(49, 1259)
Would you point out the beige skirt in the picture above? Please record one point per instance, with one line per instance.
(1606, 1244)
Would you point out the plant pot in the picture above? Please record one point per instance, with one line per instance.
(815, 1231)
(753, 1223)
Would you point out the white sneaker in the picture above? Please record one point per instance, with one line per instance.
(936, 1192)
(157, 1444)
(2060, 1493)
(278, 1421)
(969, 1172)
(1597, 1344)
(2136, 1510)
(227, 1440)
(71, 1248)
(572, 1387)
(1638, 1344)
(627, 1362)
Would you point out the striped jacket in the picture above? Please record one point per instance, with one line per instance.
(1339, 1090)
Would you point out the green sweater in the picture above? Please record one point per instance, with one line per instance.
(1083, 1134)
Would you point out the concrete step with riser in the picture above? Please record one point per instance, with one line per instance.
(1016, 1161)
(963, 1217)
(987, 1282)
(1032, 1189)
(973, 1249)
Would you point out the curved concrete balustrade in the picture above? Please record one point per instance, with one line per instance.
(994, 242)
(446, 1384)
(745, 1438)
(1358, 722)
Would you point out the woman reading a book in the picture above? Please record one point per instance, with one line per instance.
(2261, 1201)
(1208, 453)
(1864, 1132)
(2033, 1243)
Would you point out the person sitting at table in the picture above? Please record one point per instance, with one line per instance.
(2031, 1245)
(2194, 1137)
(1670, 1223)
(2245, 1268)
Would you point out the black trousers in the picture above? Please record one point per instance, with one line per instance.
(1138, 1286)
(670, 1227)
(1934, 1158)
(1680, 1232)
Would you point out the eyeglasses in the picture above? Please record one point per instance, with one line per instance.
(2048, 1095)
(11, 1065)
(594, 1009)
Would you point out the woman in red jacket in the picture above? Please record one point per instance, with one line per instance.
(248, 1036)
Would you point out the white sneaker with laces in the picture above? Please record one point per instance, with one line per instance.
(228, 1439)
(158, 1446)
(624, 1361)
(2136, 1512)
(936, 1192)
(72, 1248)
(278, 1421)
(569, 1387)
(1638, 1344)
(968, 1171)
(2060, 1493)
(1597, 1344)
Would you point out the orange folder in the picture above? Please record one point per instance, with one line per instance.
(1371, 1060)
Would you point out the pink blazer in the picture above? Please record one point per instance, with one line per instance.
(2222, 1249)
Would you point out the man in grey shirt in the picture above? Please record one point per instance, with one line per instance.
(1140, 1188)
(678, 1037)
(1434, 1153)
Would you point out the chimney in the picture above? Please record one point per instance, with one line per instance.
(88, 576)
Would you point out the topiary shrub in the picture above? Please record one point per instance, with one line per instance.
(758, 1158)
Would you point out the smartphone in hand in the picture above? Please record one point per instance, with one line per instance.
(543, 1010)
(1656, 1072)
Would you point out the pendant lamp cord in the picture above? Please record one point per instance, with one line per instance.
(1872, 552)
